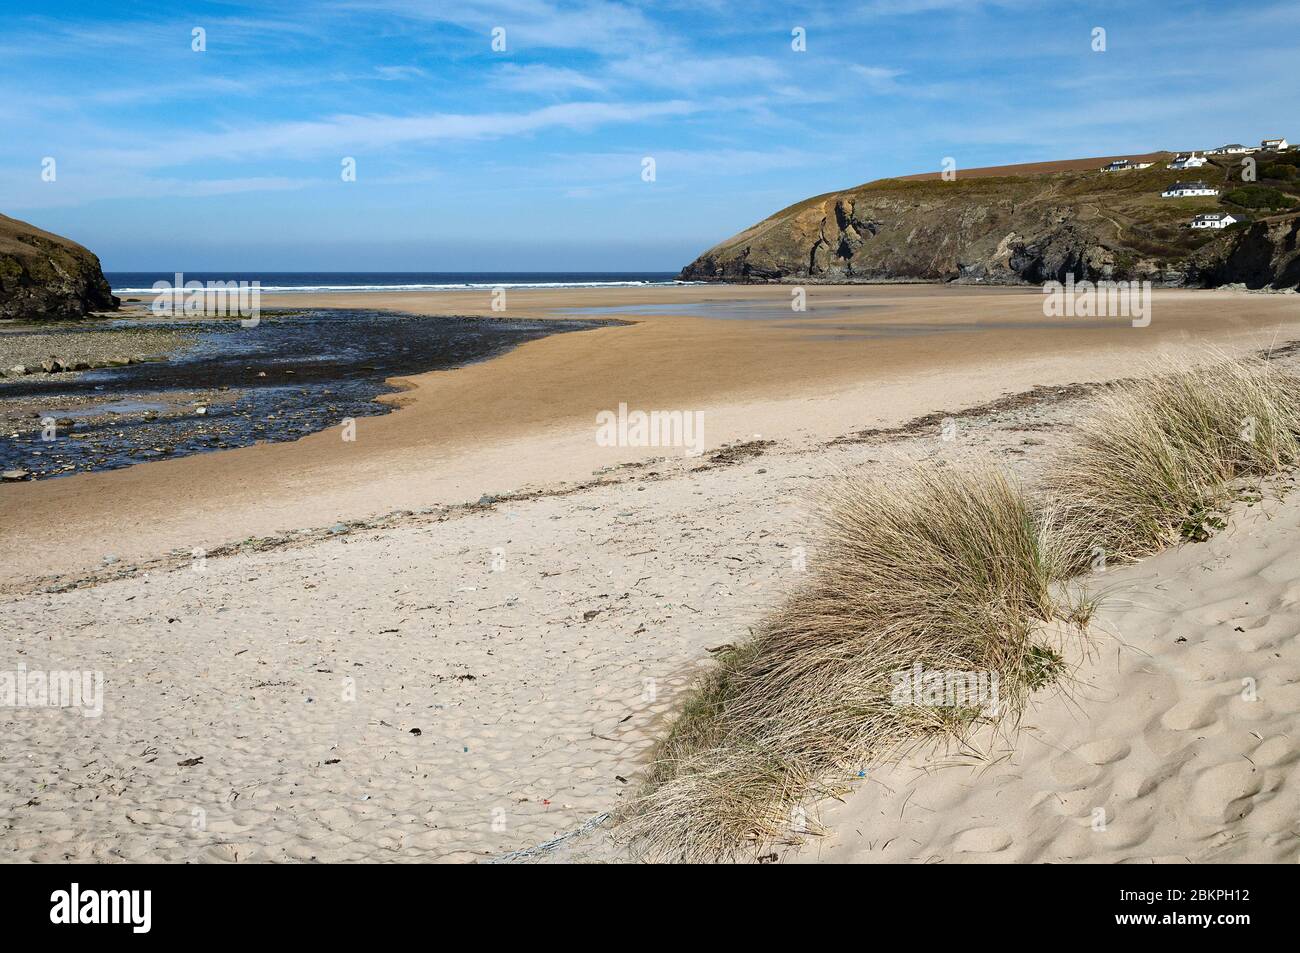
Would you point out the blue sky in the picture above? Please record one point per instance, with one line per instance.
(531, 159)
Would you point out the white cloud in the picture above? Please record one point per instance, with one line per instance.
(879, 79)
(538, 78)
(596, 25)
(400, 72)
(22, 191)
(345, 135)
(684, 70)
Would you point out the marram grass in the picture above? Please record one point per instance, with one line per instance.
(954, 569)
(1157, 458)
(944, 568)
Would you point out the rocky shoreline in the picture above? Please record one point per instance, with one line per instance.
(132, 390)
(24, 352)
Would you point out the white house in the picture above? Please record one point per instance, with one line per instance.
(1231, 149)
(1181, 190)
(1274, 145)
(1212, 220)
(1121, 165)
(1189, 161)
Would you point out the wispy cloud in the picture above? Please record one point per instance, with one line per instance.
(878, 79)
(401, 72)
(535, 25)
(548, 133)
(339, 134)
(20, 189)
(540, 78)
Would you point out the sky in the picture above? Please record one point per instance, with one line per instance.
(532, 157)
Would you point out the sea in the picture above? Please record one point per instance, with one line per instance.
(142, 282)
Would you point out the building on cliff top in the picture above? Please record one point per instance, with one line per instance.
(1183, 189)
(1212, 220)
(1189, 161)
(1120, 165)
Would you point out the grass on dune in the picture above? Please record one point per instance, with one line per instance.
(1157, 458)
(957, 570)
(944, 568)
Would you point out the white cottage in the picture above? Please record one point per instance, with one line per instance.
(1180, 190)
(1122, 165)
(1189, 161)
(1274, 145)
(1231, 149)
(1212, 220)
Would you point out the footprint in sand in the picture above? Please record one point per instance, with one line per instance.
(1134, 785)
(1275, 752)
(1223, 793)
(224, 854)
(1103, 751)
(1249, 622)
(981, 840)
(1189, 714)
(1083, 766)
(1075, 772)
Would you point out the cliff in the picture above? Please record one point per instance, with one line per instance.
(46, 277)
(1017, 224)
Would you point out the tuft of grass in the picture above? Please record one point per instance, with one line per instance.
(942, 567)
(1157, 458)
(955, 570)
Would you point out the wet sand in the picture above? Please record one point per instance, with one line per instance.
(860, 357)
(223, 385)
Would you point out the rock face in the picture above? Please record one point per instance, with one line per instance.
(1000, 227)
(1264, 255)
(45, 277)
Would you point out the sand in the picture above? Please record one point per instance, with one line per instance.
(1176, 743)
(882, 355)
(459, 681)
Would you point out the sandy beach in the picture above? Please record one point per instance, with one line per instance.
(458, 636)
(859, 358)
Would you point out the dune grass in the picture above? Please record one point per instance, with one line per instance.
(945, 568)
(1157, 458)
(955, 570)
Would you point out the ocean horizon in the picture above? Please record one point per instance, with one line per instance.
(142, 282)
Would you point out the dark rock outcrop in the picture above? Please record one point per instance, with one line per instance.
(1000, 227)
(1266, 254)
(46, 277)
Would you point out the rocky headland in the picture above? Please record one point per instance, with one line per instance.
(45, 277)
(1029, 224)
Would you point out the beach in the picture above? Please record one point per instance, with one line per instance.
(458, 635)
(527, 420)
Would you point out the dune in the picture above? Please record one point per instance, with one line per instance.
(1174, 742)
